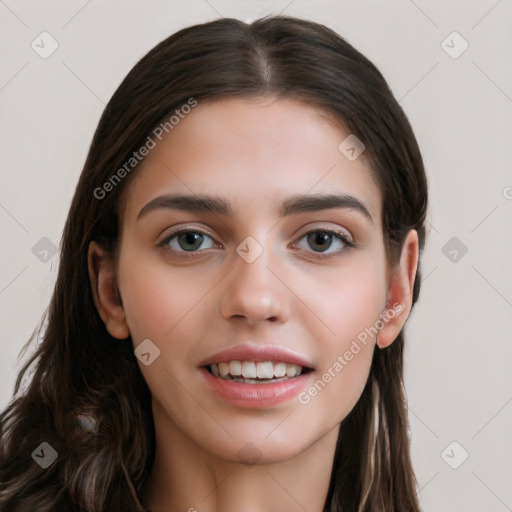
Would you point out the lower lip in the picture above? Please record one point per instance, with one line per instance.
(256, 396)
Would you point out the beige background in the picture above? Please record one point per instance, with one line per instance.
(459, 346)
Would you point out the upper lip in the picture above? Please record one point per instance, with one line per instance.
(253, 352)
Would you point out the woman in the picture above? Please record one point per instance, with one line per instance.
(238, 263)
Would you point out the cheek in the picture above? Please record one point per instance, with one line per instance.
(343, 303)
(158, 299)
(349, 303)
(165, 305)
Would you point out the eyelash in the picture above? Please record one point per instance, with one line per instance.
(347, 244)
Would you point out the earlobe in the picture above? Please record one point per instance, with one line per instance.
(102, 275)
(400, 290)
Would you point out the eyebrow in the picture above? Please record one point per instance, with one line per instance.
(291, 206)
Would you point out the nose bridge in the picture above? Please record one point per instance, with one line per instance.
(254, 291)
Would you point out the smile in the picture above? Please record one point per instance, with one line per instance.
(253, 376)
(256, 372)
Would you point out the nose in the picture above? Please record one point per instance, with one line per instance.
(254, 292)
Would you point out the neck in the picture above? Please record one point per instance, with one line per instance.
(186, 477)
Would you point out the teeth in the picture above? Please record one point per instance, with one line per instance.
(235, 368)
(264, 370)
(291, 370)
(280, 370)
(223, 369)
(251, 370)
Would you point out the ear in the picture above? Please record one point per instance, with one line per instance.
(399, 294)
(102, 274)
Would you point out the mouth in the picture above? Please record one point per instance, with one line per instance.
(254, 376)
(256, 372)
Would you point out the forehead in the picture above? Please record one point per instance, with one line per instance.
(255, 151)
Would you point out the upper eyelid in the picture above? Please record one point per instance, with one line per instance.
(179, 230)
(329, 229)
(304, 230)
(339, 232)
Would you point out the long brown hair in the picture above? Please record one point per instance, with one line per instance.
(79, 368)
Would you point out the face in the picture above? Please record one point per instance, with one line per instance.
(274, 262)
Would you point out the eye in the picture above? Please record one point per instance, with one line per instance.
(322, 240)
(187, 240)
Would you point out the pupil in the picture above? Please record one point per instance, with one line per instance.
(321, 240)
(190, 239)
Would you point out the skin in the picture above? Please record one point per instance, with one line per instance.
(255, 153)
